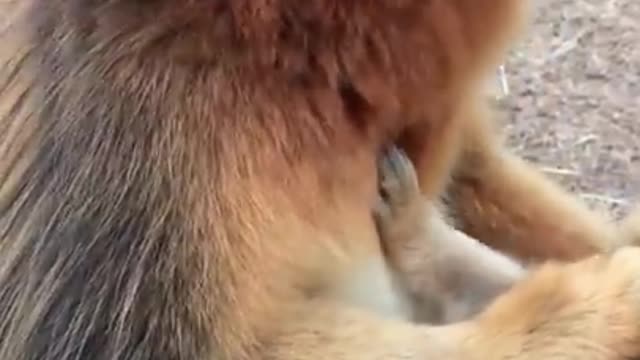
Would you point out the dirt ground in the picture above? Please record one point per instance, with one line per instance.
(574, 98)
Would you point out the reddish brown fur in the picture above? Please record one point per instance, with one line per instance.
(506, 203)
(193, 179)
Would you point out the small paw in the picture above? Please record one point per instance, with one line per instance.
(400, 202)
(398, 181)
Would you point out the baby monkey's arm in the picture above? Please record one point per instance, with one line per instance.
(450, 275)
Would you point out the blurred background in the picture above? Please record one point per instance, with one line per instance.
(574, 98)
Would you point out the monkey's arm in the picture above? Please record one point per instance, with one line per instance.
(544, 316)
(509, 205)
(327, 330)
(450, 275)
(434, 262)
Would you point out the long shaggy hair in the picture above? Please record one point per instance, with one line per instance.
(160, 163)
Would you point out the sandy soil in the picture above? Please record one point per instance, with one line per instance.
(574, 99)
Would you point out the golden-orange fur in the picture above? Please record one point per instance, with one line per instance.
(194, 180)
(508, 204)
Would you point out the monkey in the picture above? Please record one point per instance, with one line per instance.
(194, 180)
(449, 274)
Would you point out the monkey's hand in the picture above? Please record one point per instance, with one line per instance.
(450, 275)
(400, 211)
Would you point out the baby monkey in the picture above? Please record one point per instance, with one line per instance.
(447, 275)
